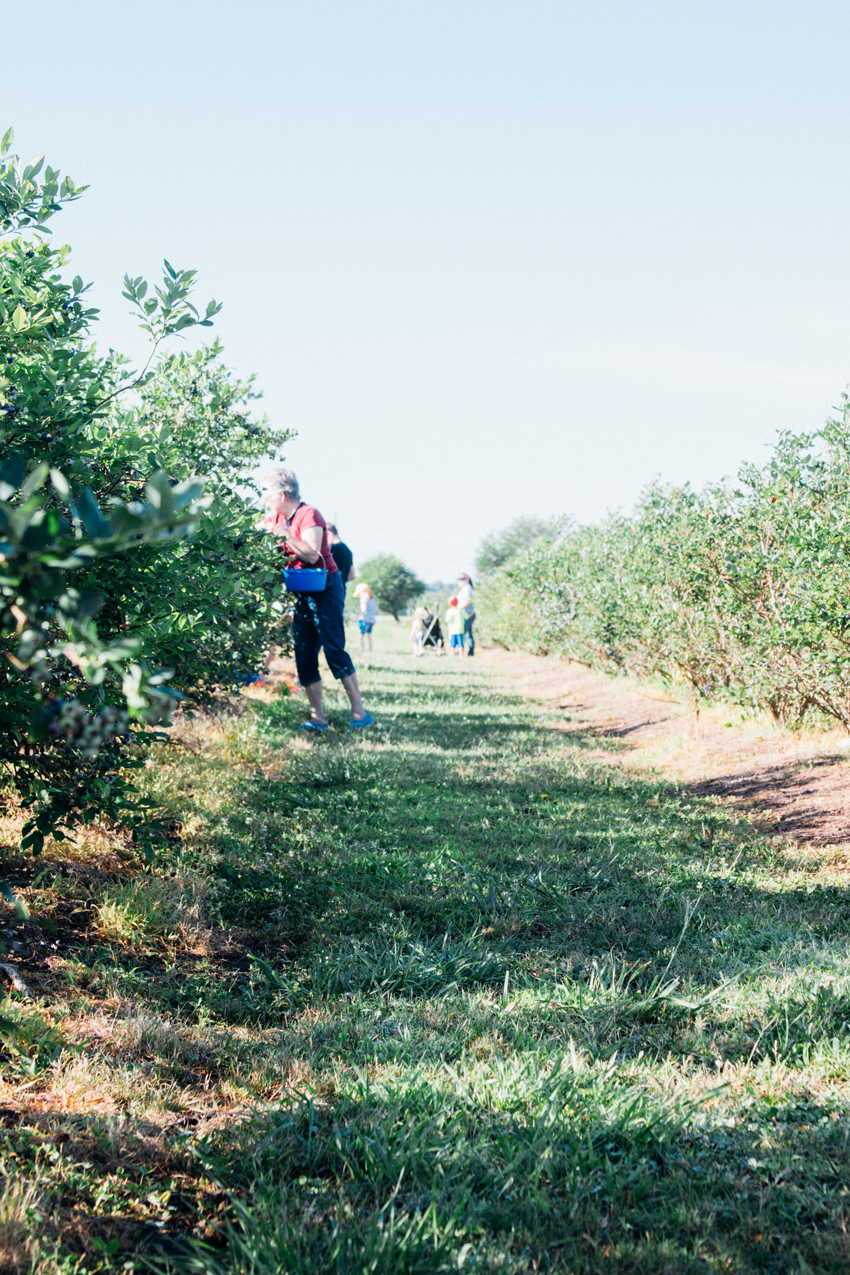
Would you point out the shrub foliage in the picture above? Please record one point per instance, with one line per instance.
(182, 584)
(740, 590)
(500, 547)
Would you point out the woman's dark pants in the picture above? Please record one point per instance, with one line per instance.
(468, 637)
(318, 623)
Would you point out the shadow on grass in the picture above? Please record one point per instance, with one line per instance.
(561, 1166)
(517, 1167)
(547, 854)
(784, 793)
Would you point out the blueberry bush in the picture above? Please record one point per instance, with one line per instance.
(132, 572)
(741, 590)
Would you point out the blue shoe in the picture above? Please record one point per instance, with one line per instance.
(360, 723)
(317, 726)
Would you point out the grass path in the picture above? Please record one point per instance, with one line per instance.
(463, 994)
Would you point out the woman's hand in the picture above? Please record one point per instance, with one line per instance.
(309, 550)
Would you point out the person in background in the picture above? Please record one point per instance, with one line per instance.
(342, 556)
(368, 614)
(454, 627)
(317, 620)
(467, 608)
(418, 630)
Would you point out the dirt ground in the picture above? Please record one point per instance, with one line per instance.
(796, 785)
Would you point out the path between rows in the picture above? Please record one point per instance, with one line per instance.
(471, 983)
(797, 786)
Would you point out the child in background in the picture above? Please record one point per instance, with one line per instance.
(368, 614)
(454, 626)
(418, 631)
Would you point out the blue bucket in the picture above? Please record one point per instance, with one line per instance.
(305, 579)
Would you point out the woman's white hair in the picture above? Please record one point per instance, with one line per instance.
(283, 481)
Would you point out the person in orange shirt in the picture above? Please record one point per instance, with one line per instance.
(368, 614)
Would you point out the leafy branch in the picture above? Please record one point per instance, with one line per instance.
(26, 203)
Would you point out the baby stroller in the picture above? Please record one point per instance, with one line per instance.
(433, 632)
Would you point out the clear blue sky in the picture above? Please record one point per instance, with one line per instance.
(487, 258)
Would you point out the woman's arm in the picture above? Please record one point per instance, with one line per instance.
(309, 549)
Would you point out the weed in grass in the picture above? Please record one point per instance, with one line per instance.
(32, 1042)
(23, 1203)
(306, 1233)
(414, 967)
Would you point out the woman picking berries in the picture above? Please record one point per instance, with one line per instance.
(318, 618)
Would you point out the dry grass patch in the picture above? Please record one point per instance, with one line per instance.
(24, 1204)
(140, 910)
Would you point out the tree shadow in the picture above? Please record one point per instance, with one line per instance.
(806, 801)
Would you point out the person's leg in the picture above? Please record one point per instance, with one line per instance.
(470, 639)
(305, 644)
(362, 636)
(314, 695)
(369, 637)
(352, 690)
(332, 632)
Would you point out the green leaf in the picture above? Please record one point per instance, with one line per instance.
(33, 169)
(8, 138)
(60, 484)
(124, 522)
(19, 318)
(11, 475)
(187, 492)
(34, 480)
(160, 495)
(92, 519)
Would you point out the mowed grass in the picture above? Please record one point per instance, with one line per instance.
(464, 994)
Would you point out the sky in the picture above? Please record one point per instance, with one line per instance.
(487, 258)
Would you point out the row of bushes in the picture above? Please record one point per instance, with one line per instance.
(740, 590)
(124, 584)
